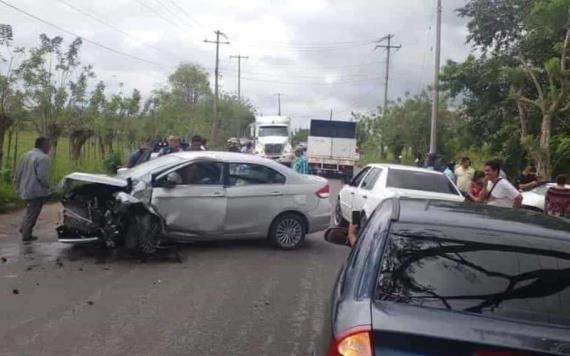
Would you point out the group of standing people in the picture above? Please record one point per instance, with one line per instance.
(491, 186)
(173, 144)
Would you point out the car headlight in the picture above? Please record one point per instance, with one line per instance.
(287, 150)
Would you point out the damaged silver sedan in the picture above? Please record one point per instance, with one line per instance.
(194, 196)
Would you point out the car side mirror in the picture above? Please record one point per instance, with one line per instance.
(337, 236)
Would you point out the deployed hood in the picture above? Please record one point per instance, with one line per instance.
(74, 179)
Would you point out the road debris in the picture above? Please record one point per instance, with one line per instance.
(4, 259)
(90, 302)
(15, 291)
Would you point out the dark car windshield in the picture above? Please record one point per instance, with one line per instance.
(506, 281)
(146, 168)
(415, 180)
(273, 131)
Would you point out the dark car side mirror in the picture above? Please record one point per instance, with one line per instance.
(337, 236)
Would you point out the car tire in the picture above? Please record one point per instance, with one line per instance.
(143, 234)
(287, 231)
(339, 220)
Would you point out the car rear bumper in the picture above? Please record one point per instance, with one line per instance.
(320, 217)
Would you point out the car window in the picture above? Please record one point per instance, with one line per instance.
(371, 179)
(416, 180)
(241, 174)
(201, 173)
(506, 281)
(359, 177)
(151, 166)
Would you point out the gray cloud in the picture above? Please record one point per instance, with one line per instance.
(318, 53)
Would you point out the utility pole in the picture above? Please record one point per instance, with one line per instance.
(279, 104)
(330, 119)
(388, 48)
(216, 73)
(239, 58)
(435, 103)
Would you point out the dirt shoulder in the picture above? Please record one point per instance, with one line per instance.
(45, 227)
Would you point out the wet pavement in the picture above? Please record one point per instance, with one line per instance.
(222, 298)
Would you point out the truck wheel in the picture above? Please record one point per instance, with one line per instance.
(143, 234)
(338, 219)
(287, 231)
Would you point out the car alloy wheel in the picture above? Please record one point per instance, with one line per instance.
(289, 232)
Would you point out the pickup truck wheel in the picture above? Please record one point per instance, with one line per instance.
(143, 233)
(287, 231)
(339, 221)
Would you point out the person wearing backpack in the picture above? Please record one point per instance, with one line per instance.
(498, 191)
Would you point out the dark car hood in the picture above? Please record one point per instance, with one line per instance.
(479, 329)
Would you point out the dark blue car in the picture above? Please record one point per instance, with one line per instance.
(442, 278)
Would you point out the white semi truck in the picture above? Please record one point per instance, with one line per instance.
(331, 148)
(272, 138)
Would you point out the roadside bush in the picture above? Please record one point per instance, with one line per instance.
(112, 163)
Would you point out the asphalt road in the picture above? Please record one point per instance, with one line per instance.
(225, 298)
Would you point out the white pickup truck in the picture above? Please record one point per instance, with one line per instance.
(331, 148)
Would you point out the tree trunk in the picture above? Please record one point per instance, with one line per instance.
(544, 164)
(77, 139)
(523, 120)
(4, 126)
(9, 148)
(15, 153)
(101, 147)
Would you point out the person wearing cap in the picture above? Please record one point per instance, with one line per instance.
(300, 165)
(173, 146)
(232, 145)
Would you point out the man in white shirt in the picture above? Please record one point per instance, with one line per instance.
(498, 191)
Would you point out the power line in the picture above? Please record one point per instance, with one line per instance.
(217, 74)
(165, 19)
(388, 48)
(81, 37)
(369, 80)
(181, 9)
(111, 26)
(239, 57)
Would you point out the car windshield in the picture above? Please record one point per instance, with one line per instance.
(273, 131)
(416, 180)
(506, 281)
(146, 168)
(541, 190)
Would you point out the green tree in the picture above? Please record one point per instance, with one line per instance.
(521, 82)
(47, 74)
(10, 98)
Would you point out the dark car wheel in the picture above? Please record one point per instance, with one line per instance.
(143, 234)
(287, 232)
(339, 220)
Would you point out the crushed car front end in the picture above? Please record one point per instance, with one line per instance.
(103, 209)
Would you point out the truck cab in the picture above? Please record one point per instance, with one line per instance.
(272, 138)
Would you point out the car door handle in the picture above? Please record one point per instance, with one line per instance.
(351, 193)
(276, 193)
(217, 195)
(365, 197)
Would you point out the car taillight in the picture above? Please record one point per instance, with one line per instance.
(356, 342)
(324, 192)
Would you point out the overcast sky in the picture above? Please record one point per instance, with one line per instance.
(318, 53)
